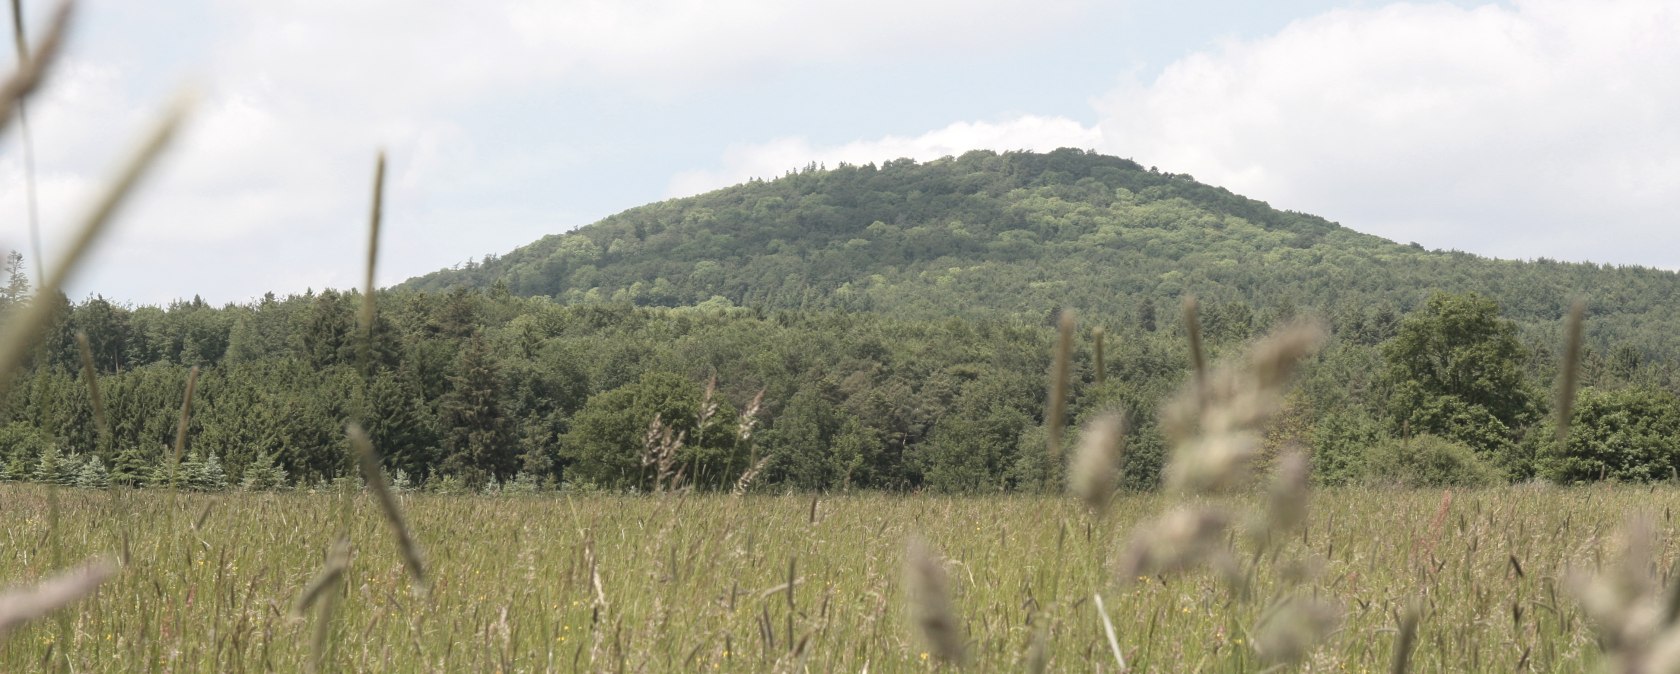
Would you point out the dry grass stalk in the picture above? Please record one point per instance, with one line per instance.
(372, 473)
(1179, 540)
(32, 69)
(327, 579)
(1404, 640)
(1629, 608)
(326, 587)
(1108, 629)
(747, 478)
(659, 451)
(181, 426)
(749, 418)
(368, 288)
(17, 31)
(1571, 371)
(1101, 365)
(1286, 504)
(708, 405)
(92, 378)
(1095, 470)
(1293, 627)
(930, 602)
(32, 207)
(1216, 426)
(1055, 410)
(19, 606)
(1193, 327)
(20, 331)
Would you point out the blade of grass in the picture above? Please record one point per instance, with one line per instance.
(374, 475)
(20, 606)
(1056, 409)
(1193, 325)
(1571, 371)
(18, 335)
(28, 141)
(92, 379)
(367, 315)
(32, 70)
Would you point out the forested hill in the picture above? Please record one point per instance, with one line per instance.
(1026, 232)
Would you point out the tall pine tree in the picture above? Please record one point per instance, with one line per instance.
(478, 442)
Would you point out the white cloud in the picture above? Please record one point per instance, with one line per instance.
(773, 158)
(1543, 128)
(268, 186)
(673, 42)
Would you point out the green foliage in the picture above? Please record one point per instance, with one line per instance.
(1427, 461)
(478, 439)
(20, 446)
(897, 316)
(1456, 370)
(1341, 441)
(55, 467)
(92, 475)
(203, 473)
(609, 436)
(1628, 435)
(263, 474)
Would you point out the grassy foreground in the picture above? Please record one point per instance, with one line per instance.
(621, 583)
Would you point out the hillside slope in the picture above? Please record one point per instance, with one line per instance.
(1027, 232)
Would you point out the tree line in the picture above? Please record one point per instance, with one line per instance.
(475, 389)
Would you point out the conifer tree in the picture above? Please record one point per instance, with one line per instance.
(477, 441)
(93, 475)
(263, 474)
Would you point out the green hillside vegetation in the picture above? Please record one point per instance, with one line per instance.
(910, 355)
(1023, 233)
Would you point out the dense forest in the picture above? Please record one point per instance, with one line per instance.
(862, 328)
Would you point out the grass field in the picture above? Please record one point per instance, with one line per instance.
(650, 583)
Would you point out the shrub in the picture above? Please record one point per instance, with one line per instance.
(1427, 461)
(1631, 434)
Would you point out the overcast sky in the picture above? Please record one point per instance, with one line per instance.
(1537, 128)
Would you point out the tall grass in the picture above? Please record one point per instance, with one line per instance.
(686, 584)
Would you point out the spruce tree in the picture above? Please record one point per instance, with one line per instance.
(477, 441)
(205, 474)
(263, 474)
(49, 466)
(93, 475)
(190, 473)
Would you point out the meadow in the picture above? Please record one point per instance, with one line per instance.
(674, 582)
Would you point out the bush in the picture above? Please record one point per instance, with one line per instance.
(1630, 435)
(1427, 461)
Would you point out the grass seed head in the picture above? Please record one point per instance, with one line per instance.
(930, 602)
(19, 606)
(1096, 464)
(1178, 541)
(1290, 631)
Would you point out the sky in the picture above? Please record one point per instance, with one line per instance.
(1521, 129)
